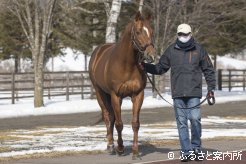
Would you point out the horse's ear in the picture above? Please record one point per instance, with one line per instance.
(138, 16)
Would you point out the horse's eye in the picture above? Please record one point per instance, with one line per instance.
(138, 32)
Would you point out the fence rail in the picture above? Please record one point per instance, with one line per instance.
(21, 85)
(231, 79)
(17, 86)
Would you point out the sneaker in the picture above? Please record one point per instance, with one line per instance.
(198, 154)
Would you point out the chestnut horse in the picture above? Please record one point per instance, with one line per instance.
(115, 74)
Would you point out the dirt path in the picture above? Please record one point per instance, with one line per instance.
(149, 155)
(147, 116)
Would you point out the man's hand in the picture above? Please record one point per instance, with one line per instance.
(141, 65)
(210, 94)
(211, 98)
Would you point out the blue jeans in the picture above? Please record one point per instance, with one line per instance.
(182, 117)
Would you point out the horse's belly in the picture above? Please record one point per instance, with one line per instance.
(130, 88)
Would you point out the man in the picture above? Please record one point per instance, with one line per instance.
(188, 60)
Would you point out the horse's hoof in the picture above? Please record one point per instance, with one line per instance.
(110, 149)
(120, 152)
(136, 157)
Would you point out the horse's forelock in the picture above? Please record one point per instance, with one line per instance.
(144, 24)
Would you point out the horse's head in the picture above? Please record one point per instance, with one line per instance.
(141, 36)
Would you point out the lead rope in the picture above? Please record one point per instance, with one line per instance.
(210, 102)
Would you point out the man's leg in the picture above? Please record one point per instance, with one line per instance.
(196, 129)
(195, 120)
(182, 125)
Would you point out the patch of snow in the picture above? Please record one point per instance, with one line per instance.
(93, 138)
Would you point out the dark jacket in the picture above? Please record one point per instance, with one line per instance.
(187, 66)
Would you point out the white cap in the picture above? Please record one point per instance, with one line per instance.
(184, 28)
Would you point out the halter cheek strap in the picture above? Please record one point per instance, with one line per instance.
(139, 47)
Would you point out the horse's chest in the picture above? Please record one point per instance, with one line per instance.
(130, 87)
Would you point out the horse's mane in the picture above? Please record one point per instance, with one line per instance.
(127, 30)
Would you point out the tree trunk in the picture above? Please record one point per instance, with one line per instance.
(17, 63)
(157, 41)
(86, 60)
(36, 20)
(112, 21)
(141, 5)
(38, 88)
(38, 78)
(215, 62)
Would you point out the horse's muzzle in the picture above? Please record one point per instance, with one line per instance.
(149, 59)
(150, 53)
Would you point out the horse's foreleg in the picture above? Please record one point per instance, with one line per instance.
(108, 116)
(137, 103)
(116, 104)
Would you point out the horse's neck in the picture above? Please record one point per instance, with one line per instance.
(126, 51)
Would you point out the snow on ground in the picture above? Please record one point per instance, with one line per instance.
(224, 62)
(58, 105)
(72, 61)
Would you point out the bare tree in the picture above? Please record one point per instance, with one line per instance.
(78, 5)
(215, 24)
(35, 17)
(141, 5)
(165, 15)
(218, 25)
(112, 8)
(112, 16)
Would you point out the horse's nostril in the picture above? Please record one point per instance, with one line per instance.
(150, 59)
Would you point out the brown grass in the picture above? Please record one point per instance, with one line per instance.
(48, 127)
(44, 133)
(236, 118)
(4, 149)
(162, 125)
(162, 142)
(226, 138)
(6, 136)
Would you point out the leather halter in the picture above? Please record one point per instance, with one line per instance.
(140, 48)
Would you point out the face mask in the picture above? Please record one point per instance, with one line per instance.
(184, 39)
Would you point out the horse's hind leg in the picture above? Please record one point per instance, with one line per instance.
(104, 100)
(116, 104)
